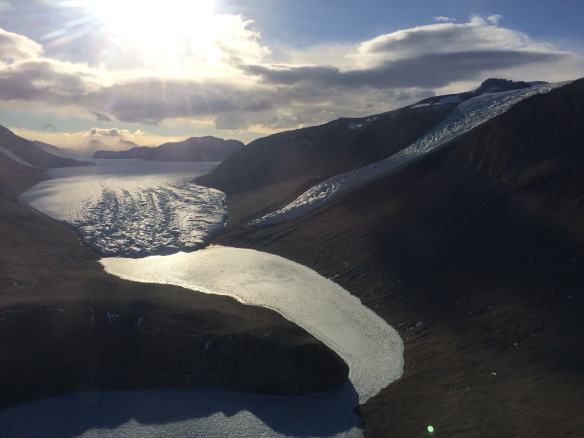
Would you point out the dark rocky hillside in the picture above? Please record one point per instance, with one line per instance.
(32, 154)
(193, 149)
(475, 254)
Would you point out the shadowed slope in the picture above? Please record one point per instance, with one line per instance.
(319, 152)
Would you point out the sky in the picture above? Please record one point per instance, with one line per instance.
(155, 71)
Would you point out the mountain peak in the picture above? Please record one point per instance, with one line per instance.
(494, 85)
(491, 85)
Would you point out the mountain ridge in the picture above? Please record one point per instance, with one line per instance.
(206, 148)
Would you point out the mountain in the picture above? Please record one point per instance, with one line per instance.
(125, 144)
(492, 85)
(141, 152)
(61, 152)
(474, 253)
(316, 153)
(26, 151)
(193, 149)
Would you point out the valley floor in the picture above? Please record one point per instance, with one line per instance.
(66, 325)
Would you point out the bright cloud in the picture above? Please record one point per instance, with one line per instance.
(443, 18)
(222, 76)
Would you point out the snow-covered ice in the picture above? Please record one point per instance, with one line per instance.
(133, 207)
(15, 157)
(463, 118)
(372, 349)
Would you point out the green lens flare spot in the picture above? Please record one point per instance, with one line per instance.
(430, 429)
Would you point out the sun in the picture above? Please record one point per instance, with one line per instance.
(156, 26)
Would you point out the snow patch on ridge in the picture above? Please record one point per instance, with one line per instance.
(463, 118)
(15, 157)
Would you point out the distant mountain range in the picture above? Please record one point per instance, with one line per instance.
(193, 149)
(26, 152)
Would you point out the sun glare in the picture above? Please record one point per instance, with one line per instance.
(157, 25)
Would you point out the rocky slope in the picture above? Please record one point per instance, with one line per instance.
(193, 149)
(476, 255)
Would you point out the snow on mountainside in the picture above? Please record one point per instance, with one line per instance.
(461, 120)
(319, 152)
(15, 157)
(492, 85)
(124, 207)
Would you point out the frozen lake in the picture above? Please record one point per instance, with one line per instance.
(133, 208)
(137, 208)
(202, 413)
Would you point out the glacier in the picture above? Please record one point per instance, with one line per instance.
(133, 208)
(372, 348)
(462, 119)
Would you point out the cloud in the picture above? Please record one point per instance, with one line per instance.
(112, 132)
(427, 70)
(236, 89)
(442, 18)
(48, 80)
(476, 35)
(494, 19)
(101, 116)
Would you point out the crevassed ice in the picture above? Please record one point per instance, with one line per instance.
(462, 119)
(132, 207)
